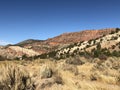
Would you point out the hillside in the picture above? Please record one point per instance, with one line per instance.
(13, 52)
(64, 39)
(74, 37)
(105, 45)
(33, 47)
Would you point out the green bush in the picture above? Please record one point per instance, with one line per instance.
(87, 46)
(116, 53)
(112, 32)
(43, 56)
(97, 53)
(89, 41)
(98, 46)
(102, 57)
(113, 46)
(2, 58)
(117, 30)
(114, 38)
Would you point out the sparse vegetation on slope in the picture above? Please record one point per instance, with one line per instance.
(102, 48)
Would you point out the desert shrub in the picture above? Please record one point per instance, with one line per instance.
(104, 49)
(74, 61)
(24, 56)
(104, 35)
(62, 56)
(89, 41)
(97, 53)
(71, 68)
(117, 30)
(87, 46)
(87, 54)
(114, 38)
(81, 53)
(75, 44)
(116, 53)
(43, 56)
(2, 58)
(101, 40)
(75, 51)
(107, 53)
(94, 41)
(52, 54)
(70, 46)
(96, 38)
(119, 46)
(112, 32)
(13, 77)
(67, 55)
(102, 57)
(98, 46)
(101, 53)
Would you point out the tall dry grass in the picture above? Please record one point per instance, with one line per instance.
(14, 77)
(61, 75)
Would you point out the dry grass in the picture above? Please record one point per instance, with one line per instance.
(59, 75)
(14, 77)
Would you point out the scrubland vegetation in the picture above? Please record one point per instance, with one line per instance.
(76, 73)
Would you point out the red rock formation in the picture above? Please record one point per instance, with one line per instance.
(67, 38)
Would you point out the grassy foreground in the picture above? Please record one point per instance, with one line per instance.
(69, 74)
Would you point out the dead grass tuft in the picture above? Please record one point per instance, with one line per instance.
(14, 77)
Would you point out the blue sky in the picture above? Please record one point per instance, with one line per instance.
(42, 19)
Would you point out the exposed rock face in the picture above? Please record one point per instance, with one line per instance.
(74, 37)
(12, 52)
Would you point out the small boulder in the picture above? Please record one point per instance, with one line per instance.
(46, 72)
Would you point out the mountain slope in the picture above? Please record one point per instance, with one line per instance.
(12, 52)
(37, 47)
(85, 35)
(29, 41)
(104, 45)
(63, 40)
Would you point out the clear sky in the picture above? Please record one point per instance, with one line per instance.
(42, 19)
